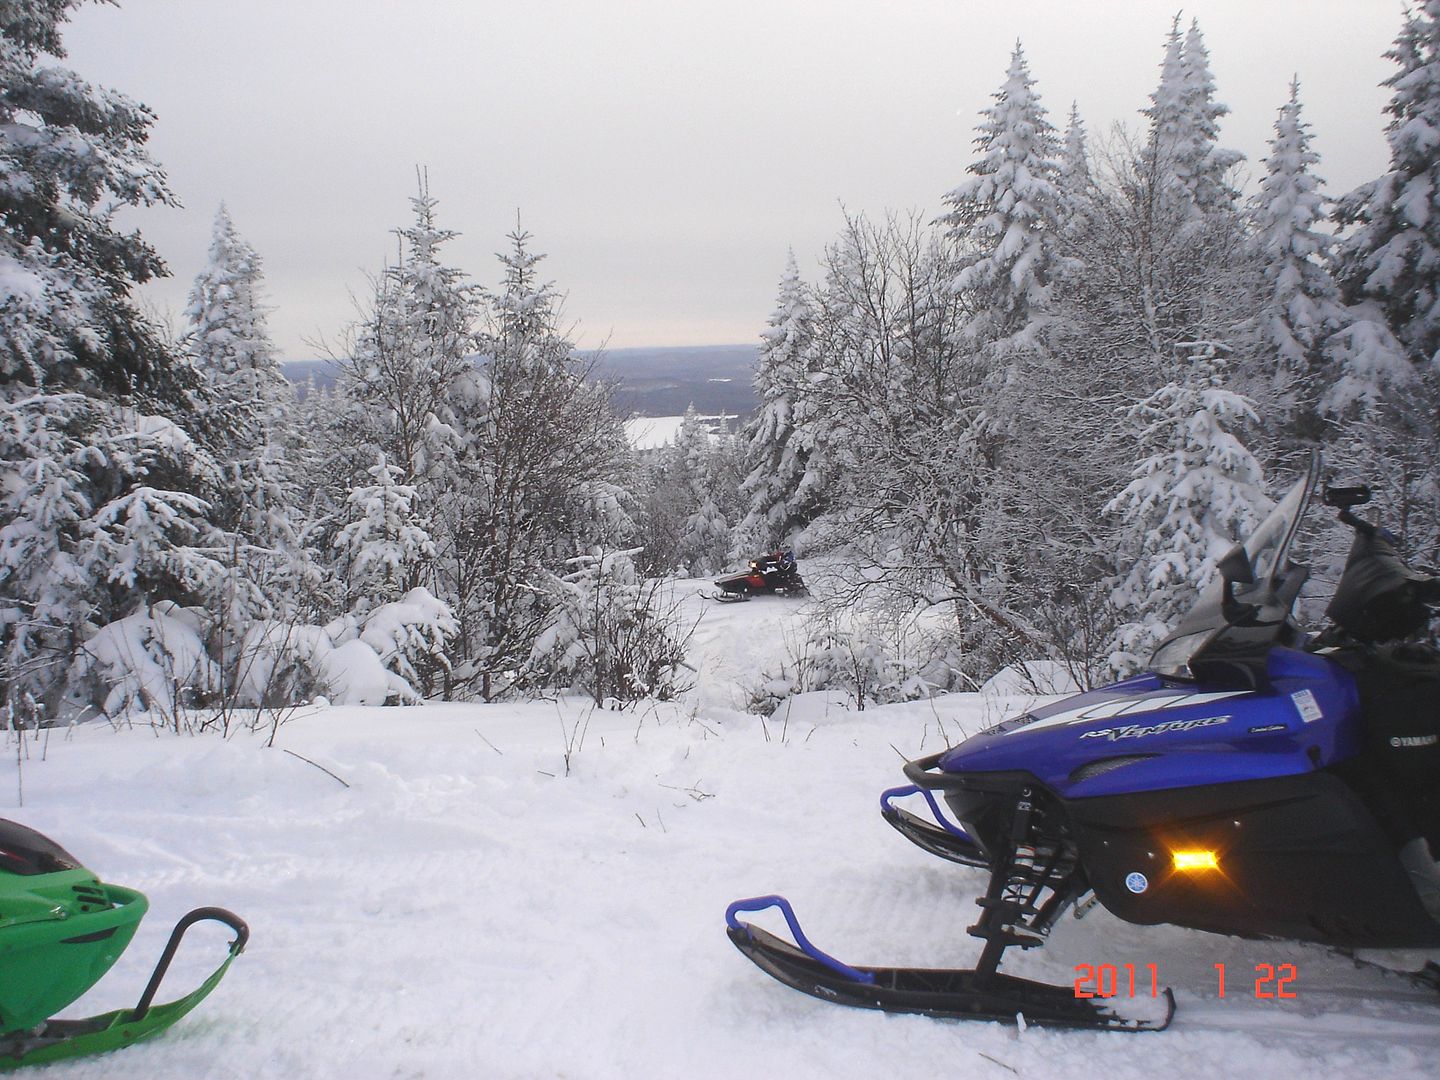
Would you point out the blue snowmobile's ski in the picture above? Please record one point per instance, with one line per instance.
(961, 994)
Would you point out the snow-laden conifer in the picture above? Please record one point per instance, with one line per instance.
(1301, 303)
(384, 547)
(70, 154)
(1005, 217)
(705, 539)
(103, 509)
(1195, 493)
(245, 414)
(1182, 151)
(226, 334)
(412, 350)
(783, 484)
(1390, 253)
(1075, 181)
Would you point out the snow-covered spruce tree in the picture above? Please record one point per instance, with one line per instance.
(1387, 263)
(226, 334)
(1390, 254)
(1301, 303)
(1183, 147)
(1021, 222)
(1162, 271)
(1075, 181)
(537, 479)
(1005, 218)
(410, 352)
(101, 514)
(409, 372)
(705, 538)
(384, 548)
(73, 152)
(1191, 498)
(246, 419)
(384, 552)
(783, 485)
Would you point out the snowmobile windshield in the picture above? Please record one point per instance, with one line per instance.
(1268, 549)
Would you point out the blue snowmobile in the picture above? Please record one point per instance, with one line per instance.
(1256, 781)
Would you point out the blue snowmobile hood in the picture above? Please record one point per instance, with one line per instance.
(1152, 732)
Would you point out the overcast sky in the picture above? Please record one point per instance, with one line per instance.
(664, 153)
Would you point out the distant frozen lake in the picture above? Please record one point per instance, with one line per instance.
(651, 432)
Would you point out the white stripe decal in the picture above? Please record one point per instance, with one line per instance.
(1107, 710)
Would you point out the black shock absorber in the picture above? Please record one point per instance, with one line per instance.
(1011, 909)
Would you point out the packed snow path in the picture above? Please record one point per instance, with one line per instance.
(538, 890)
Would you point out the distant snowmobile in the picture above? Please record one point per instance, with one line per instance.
(1256, 781)
(776, 572)
(61, 929)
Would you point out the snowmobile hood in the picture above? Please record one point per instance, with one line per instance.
(1152, 732)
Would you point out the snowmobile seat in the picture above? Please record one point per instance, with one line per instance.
(1399, 688)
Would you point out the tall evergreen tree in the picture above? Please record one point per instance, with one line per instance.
(70, 154)
(247, 406)
(1196, 492)
(411, 352)
(783, 484)
(1075, 181)
(1390, 254)
(227, 336)
(101, 508)
(1005, 217)
(1183, 149)
(1301, 303)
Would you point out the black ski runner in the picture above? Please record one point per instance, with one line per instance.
(957, 993)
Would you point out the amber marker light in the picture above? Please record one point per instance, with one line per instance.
(1195, 860)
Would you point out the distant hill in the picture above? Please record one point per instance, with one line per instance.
(663, 381)
(658, 381)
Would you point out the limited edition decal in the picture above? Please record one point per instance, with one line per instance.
(1141, 731)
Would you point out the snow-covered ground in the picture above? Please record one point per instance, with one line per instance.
(538, 890)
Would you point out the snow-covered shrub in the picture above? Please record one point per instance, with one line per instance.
(613, 636)
(409, 635)
(850, 656)
(284, 664)
(352, 660)
(152, 661)
(166, 659)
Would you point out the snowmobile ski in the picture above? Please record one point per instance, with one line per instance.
(729, 597)
(955, 993)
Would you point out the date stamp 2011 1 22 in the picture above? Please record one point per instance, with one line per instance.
(1272, 981)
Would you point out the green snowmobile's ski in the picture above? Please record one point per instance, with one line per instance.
(56, 1040)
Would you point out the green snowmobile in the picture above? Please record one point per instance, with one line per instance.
(60, 930)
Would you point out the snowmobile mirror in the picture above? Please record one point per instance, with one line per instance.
(1235, 568)
(1346, 497)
